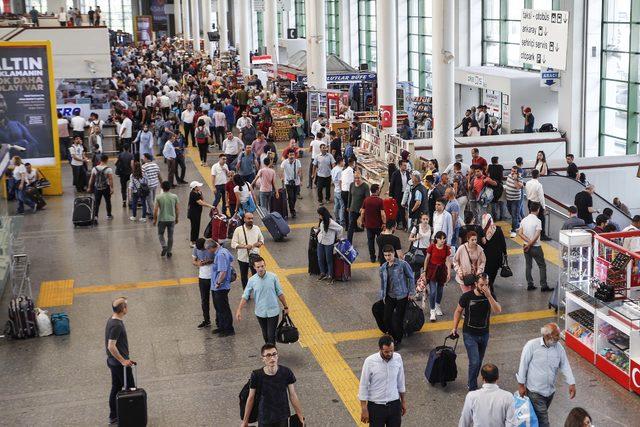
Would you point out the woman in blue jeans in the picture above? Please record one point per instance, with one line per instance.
(138, 189)
(328, 233)
(437, 271)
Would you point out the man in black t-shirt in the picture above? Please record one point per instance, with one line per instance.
(117, 348)
(584, 204)
(335, 147)
(477, 305)
(572, 168)
(271, 388)
(388, 238)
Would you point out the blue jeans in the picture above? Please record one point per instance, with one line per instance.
(134, 205)
(514, 211)
(476, 346)
(265, 201)
(338, 208)
(435, 293)
(220, 196)
(325, 259)
(22, 199)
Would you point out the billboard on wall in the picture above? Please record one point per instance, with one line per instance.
(27, 107)
(143, 29)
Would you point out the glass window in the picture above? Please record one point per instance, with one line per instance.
(420, 44)
(367, 32)
(40, 5)
(115, 14)
(333, 26)
(300, 15)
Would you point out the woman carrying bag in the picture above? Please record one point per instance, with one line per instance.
(328, 233)
(437, 271)
(420, 238)
(469, 261)
(495, 249)
(244, 196)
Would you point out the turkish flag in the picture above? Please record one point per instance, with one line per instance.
(386, 116)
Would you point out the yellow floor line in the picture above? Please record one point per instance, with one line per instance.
(312, 335)
(447, 325)
(304, 270)
(135, 286)
(55, 293)
(305, 225)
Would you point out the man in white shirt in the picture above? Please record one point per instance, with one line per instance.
(291, 179)
(464, 168)
(125, 132)
(247, 239)
(187, 117)
(382, 387)
(150, 101)
(78, 159)
(78, 124)
(489, 406)
(480, 115)
(169, 153)
(165, 105)
(535, 193)
(530, 231)
(317, 125)
(232, 146)
(219, 178)
(346, 179)
(632, 244)
(314, 149)
(338, 203)
(243, 121)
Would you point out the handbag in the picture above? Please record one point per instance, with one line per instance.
(250, 205)
(294, 421)
(252, 256)
(415, 257)
(286, 332)
(505, 270)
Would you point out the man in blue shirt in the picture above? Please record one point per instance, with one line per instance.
(221, 272)
(229, 113)
(397, 286)
(266, 292)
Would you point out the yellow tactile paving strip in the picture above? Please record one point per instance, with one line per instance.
(321, 344)
(55, 293)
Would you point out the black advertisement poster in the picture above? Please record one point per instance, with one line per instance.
(26, 121)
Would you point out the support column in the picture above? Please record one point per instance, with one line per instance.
(345, 31)
(206, 26)
(316, 47)
(570, 94)
(443, 80)
(223, 30)
(271, 31)
(284, 23)
(195, 25)
(387, 65)
(186, 34)
(177, 16)
(244, 42)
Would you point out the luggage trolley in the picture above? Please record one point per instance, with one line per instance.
(20, 280)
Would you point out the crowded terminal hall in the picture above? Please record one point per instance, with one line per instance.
(321, 212)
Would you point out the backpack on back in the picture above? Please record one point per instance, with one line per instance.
(102, 183)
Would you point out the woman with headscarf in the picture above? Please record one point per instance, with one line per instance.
(328, 233)
(495, 249)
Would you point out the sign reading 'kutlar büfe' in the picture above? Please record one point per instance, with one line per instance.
(543, 39)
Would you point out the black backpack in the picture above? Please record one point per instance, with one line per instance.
(547, 127)
(287, 333)
(413, 318)
(244, 396)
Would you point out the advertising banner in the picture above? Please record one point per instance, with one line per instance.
(26, 101)
(143, 31)
(160, 17)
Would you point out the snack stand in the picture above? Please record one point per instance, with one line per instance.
(601, 311)
(283, 120)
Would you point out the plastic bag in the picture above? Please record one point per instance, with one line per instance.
(524, 415)
(44, 323)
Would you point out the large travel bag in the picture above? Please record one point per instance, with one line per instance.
(341, 269)
(22, 318)
(275, 224)
(217, 228)
(83, 208)
(244, 396)
(378, 314)
(390, 206)
(441, 366)
(413, 318)
(280, 203)
(286, 332)
(131, 403)
(312, 252)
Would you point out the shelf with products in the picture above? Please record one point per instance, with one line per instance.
(422, 105)
(579, 323)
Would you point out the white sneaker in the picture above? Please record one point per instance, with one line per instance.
(433, 316)
(512, 235)
(143, 219)
(438, 310)
(132, 218)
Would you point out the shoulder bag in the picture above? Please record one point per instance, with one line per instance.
(505, 270)
(252, 256)
(415, 256)
(286, 332)
(473, 267)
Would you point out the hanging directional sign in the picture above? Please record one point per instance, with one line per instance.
(543, 39)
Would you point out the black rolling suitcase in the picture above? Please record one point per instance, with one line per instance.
(280, 204)
(22, 319)
(378, 314)
(441, 367)
(83, 210)
(131, 403)
(312, 252)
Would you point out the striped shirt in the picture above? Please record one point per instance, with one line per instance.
(151, 172)
(513, 192)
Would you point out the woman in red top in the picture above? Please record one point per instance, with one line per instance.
(437, 271)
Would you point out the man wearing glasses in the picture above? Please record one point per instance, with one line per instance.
(271, 384)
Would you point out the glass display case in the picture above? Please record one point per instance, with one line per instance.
(618, 340)
(579, 320)
(575, 265)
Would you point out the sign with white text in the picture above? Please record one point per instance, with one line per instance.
(543, 38)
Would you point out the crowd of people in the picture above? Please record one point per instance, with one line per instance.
(166, 99)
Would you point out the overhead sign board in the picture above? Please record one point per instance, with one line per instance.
(346, 78)
(543, 38)
(549, 78)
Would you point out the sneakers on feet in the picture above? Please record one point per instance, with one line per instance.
(169, 254)
(216, 331)
(546, 289)
(143, 219)
(164, 252)
(204, 325)
(432, 316)
(322, 277)
(512, 234)
(226, 334)
(531, 288)
(438, 310)
(132, 218)
(109, 217)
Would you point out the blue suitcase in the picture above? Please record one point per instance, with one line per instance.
(275, 224)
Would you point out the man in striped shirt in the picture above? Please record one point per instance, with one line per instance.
(513, 189)
(151, 173)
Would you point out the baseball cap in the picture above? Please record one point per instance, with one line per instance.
(458, 156)
(195, 184)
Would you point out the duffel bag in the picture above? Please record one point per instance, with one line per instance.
(413, 318)
(287, 333)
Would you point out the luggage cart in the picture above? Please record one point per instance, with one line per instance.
(20, 280)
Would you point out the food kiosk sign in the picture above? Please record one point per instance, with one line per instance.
(543, 38)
